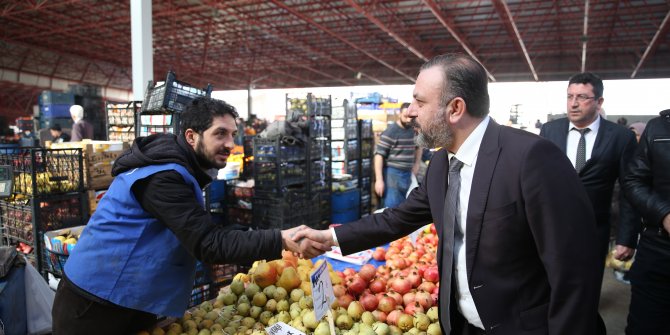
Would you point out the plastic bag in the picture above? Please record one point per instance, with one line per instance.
(39, 302)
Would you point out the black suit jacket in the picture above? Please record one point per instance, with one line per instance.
(532, 268)
(614, 148)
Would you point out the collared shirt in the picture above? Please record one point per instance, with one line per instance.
(467, 154)
(573, 140)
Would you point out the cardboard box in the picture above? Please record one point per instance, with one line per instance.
(99, 156)
(55, 245)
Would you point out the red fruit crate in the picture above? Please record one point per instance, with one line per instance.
(23, 222)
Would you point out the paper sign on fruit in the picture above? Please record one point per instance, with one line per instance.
(322, 290)
(281, 328)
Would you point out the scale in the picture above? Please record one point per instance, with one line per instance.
(6, 180)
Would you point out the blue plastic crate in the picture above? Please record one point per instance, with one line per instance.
(55, 110)
(342, 201)
(345, 216)
(51, 97)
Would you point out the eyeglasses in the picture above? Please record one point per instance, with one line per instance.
(580, 97)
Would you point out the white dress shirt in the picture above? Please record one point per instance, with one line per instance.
(573, 140)
(467, 154)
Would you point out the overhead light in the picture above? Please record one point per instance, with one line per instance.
(359, 75)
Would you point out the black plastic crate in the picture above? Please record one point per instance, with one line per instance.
(365, 129)
(319, 149)
(171, 96)
(200, 294)
(352, 168)
(351, 129)
(352, 149)
(365, 183)
(222, 274)
(366, 167)
(277, 150)
(366, 148)
(275, 175)
(310, 106)
(40, 171)
(319, 127)
(320, 170)
(240, 216)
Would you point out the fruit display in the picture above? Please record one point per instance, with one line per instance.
(397, 298)
(46, 182)
(40, 171)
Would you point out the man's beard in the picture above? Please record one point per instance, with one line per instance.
(436, 134)
(205, 161)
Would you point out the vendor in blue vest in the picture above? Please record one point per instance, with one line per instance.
(136, 258)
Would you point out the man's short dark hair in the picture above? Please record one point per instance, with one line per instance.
(589, 78)
(56, 127)
(463, 77)
(404, 105)
(200, 113)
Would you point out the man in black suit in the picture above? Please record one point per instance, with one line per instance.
(521, 232)
(608, 147)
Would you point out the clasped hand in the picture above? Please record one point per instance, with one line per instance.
(307, 242)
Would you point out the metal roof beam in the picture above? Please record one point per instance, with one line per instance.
(290, 40)
(284, 73)
(9, 9)
(585, 34)
(452, 30)
(508, 21)
(662, 30)
(387, 30)
(342, 39)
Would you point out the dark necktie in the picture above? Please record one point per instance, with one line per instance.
(451, 209)
(581, 149)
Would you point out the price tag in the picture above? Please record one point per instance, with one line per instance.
(281, 328)
(322, 290)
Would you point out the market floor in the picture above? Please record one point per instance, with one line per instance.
(614, 302)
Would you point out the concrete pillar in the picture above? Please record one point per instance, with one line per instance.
(142, 46)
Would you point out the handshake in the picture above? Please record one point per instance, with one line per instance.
(307, 242)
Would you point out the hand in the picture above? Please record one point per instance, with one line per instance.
(666, 223)
(623, 253)
(315, 239)
(379, 187)
(292, 241)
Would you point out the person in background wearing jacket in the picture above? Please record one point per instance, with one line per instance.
(81, 129)
(57, 134)
(136, 257)
(647, 186)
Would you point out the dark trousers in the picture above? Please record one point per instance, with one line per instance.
(74, 314)
(649, 312)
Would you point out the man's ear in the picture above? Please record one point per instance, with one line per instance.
(456, 109)
(190, 136)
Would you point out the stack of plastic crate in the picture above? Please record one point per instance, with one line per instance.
(280, 193)
(366, 140)
(316, 112)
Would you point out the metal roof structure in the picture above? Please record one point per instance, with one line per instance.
(233, 44)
